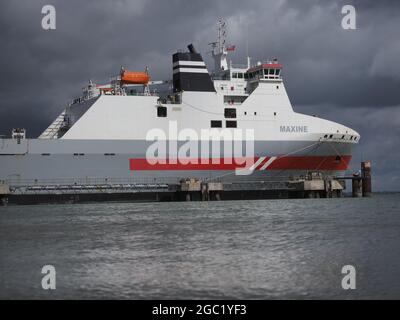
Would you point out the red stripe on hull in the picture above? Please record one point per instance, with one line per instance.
(143, 164)
(331, 163)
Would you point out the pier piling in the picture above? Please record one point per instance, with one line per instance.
(356, 186)
(4, 192)
(366, 178)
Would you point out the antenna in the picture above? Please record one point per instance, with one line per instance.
(247, 39)
(247, 46)
(219, 51)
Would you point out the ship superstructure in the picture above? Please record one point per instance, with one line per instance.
(108, 133)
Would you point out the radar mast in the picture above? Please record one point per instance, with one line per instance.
(219, 52)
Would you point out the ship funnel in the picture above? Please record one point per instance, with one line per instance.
(190, 72)
(191, 48)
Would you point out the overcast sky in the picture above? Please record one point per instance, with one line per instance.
(348, 76)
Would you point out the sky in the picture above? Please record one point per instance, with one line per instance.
(348, 76)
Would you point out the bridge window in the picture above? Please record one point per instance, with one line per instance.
(277, 71)
(216, 124)
(240, 75)
(234, 75)
(271, 71)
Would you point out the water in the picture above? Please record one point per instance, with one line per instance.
(238, 249)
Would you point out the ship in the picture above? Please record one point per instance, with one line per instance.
(109, 133)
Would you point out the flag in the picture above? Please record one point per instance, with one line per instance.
(230, 48)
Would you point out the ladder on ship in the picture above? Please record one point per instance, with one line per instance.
(52, 131)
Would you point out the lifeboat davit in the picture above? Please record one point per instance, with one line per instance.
(132, 77)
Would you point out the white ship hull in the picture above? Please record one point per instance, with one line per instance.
(99, 161)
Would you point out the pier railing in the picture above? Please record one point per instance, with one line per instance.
(134, 180)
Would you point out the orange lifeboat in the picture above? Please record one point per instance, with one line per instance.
(131, 77)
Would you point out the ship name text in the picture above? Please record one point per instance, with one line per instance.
(296, 129)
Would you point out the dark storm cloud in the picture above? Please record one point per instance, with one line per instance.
(352, 76)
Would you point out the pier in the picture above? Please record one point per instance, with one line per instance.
(313, 185)
(362, 181)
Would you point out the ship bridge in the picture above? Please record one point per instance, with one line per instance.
(237, 82)
(265, 71)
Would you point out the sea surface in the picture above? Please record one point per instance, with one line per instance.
(264, 249)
